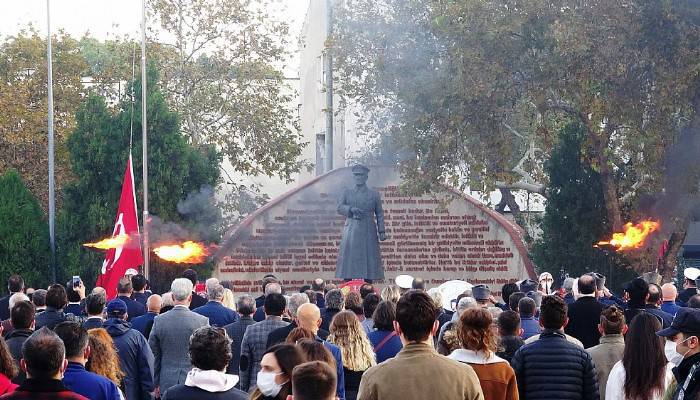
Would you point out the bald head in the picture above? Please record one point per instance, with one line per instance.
(154, 303)
(309, 317)
(669, 292)
(99, 290)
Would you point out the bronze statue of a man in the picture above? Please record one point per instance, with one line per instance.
(359, 255)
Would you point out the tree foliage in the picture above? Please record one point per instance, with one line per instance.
(24, 232)
(99, 149)
(478, 90)
(23, 105)
(223, 77)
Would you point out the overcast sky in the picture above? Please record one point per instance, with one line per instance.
(105, 18)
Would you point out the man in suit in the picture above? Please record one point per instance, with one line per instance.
(279, 335)
(15, 285)
(319, 287)
(124, 291)
(255, 339)
(139, 283)
(272, 287)
(245, 304)
(266, 280)
(218, 314)
(584, 313)
(170, 337)
(144, 323)
(197, 300)
(334, 304)
(94, 307)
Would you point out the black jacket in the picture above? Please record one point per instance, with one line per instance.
(509, 345)
(133, 308)
(182, 392)
(584, 317)
(682, 299)
(235, 332)
(553, 368)
(327, 316)
(14, 341)
(197, 301)
(5, 307)
(688, 370)
(52, 317)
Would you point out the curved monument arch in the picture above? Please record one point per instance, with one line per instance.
(439, 237)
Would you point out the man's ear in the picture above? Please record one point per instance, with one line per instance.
(436, 327)
(600, 330)
(87, 352)
(624, 329)
(566, 322)
(64, 366)
(290, 397)
(521, 331)
(397, 328)
(319, 322)
(23, 365)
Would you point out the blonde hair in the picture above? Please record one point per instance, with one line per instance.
(103, 358)
(391, 293)
(348, 334)
(229, 301)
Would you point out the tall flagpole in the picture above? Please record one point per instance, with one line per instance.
(144, 140)
(52, 194)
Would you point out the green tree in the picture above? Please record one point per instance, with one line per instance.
(575, 217)
(99, 149)
(23, 107)
(24, 232)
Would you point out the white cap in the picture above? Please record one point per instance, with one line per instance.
(406, 281)
(691, 273)
(132, 271)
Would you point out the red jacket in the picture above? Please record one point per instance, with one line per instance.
(6, 386)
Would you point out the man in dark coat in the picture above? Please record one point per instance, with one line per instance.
(218, 314)
(15, 285)
(334, 304)
(22, 317)
(124, 292)
(94, 307)
(584, 313)
(56, 300)
(135, 356)
(359, 255)
(139, 283)
(552, 367)
(197, 300)
(246, 308)
(144, 323)
(652, 306)
(685, 332)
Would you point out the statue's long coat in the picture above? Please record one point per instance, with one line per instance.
(359, 255)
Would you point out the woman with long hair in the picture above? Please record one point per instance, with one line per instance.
(103, 356)
(229, 301)
(479, 344)
(643, 373)
(347, 333)
(298, 334)
(8, 369)
(275, 376)
(391, 293)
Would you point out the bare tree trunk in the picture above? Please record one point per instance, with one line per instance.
(607, 178)
(508, 200)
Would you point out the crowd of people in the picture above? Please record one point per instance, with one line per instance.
(322, 343)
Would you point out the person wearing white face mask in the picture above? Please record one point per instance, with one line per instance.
(274, 378)
(684, 332)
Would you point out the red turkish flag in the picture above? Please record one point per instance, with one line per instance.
(129, 255)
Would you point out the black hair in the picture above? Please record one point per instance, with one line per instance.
(514, 299)
(22, 315)
(74, 336)
(210, 348)
(586, 284)
(95, 304)
(508, 323)
(384, 316)
(654, 293)
(39, 297)
(314, 380)
(418, 284)
(139, 282)
(416, 313)
(553, 312)
(15, 283)
(275, 304)
(56, 296)
(369, 304)
(43, 353)
(366, 289)
(191, 275)
(124, 286)
(527, 306)
(72, 294)
(507, 290)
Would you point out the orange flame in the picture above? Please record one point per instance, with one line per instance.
(633, 236)
(188, 252)
(109, 243)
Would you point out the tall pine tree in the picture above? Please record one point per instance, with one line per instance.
(99, 149)
(575, 217)
(24, 233)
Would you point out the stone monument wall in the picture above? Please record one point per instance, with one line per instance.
(438, 236)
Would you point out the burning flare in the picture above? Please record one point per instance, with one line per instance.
(188, 252)
(109, 243)
(633, 236)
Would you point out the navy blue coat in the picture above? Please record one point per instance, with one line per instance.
(144, 323)
(133, 308)
(553, 368)
(135, 359)
(218, 314)
(182, 392)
